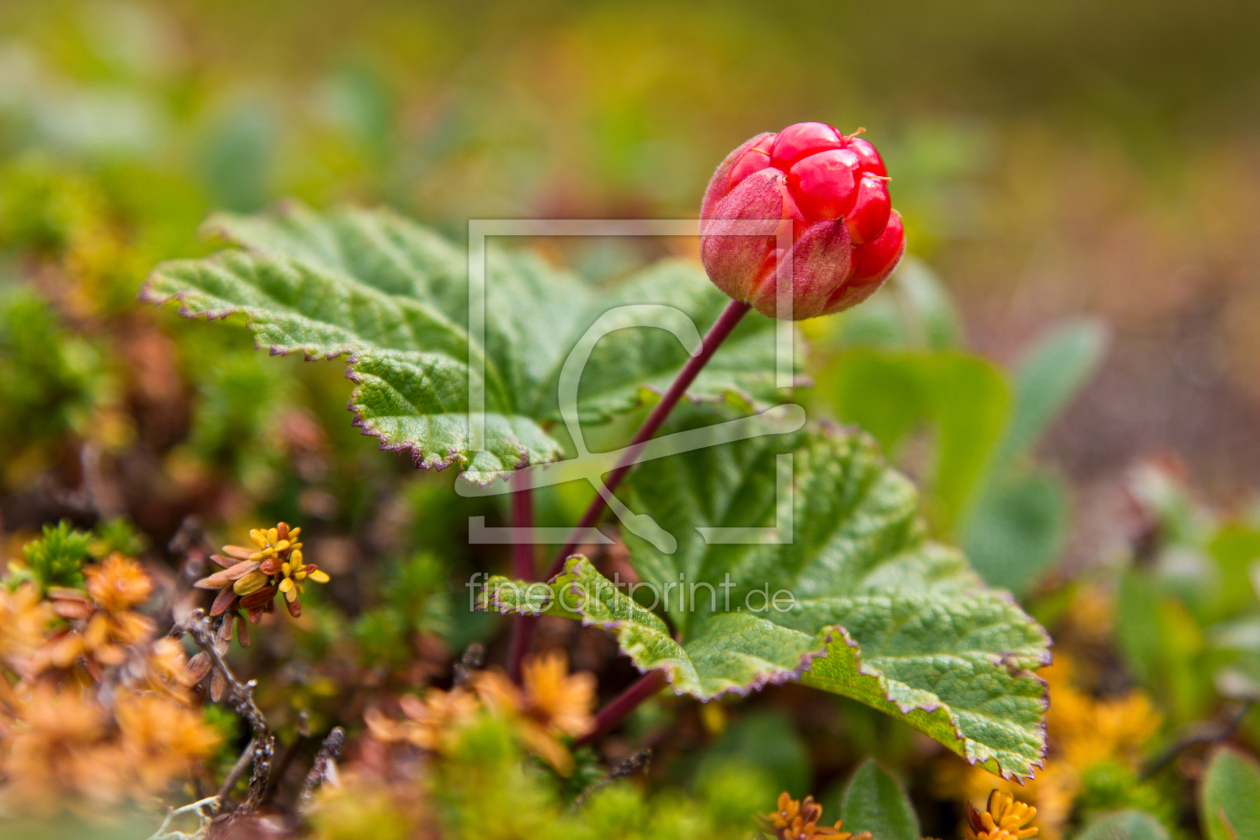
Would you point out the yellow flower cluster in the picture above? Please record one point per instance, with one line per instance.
(550, 705)
(1082, 732)
(251, 577)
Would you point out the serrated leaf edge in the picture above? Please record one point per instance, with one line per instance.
(827, 636)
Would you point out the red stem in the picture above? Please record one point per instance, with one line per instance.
(725, 324)
(525, 568)
(623, 704)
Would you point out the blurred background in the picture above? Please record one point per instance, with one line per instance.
(1065, 158)
(1069, 162)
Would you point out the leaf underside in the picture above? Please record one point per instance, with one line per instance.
(877, 612)
(393, 296)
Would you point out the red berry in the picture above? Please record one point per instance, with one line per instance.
(871, 161)
(807, 138)
(829, 193)
(874, 261)
(825, 184)
(870, 211)
(754, 160)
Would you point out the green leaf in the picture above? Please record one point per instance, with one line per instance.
(1018, 525)
(1124, 825)
(1230, 797)
(1017, 529)
(1236, 549)
(394, 297)
(964, 397)
(874, 801)
(866, 606)
(1047, 379)
(57, 558)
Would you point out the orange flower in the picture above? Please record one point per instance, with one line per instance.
(251, 577)
(553, 704)
(560, 701)
(166, 671)
(161, 739)
(118, 584)
(100, 630)
(24, 617)
(1004, 818)
(59, 749)
(431, 718)
(795, 820)
(1085, 731)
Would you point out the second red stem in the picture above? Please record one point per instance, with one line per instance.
(646, 687)
(524, 567)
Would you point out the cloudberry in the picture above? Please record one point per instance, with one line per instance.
(826, 194)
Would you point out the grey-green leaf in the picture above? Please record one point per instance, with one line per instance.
(1124, 825)
(1017, 529)
(1230, 799)
(874, 801)
(1046, 380)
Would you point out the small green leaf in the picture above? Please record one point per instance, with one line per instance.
(1017, 529)
(1047, 379)
(57, 558)
(874, 801)
(394, 297)
(1124, 825)
(1230, 797)
(964, 397)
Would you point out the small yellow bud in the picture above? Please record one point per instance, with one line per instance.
(250, 583)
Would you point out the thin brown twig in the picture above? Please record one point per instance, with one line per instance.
(240, 697)
(302, 733)
(469, 663)
(1209, 733)
(234, 775)
(629, 767)
(324, 768)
